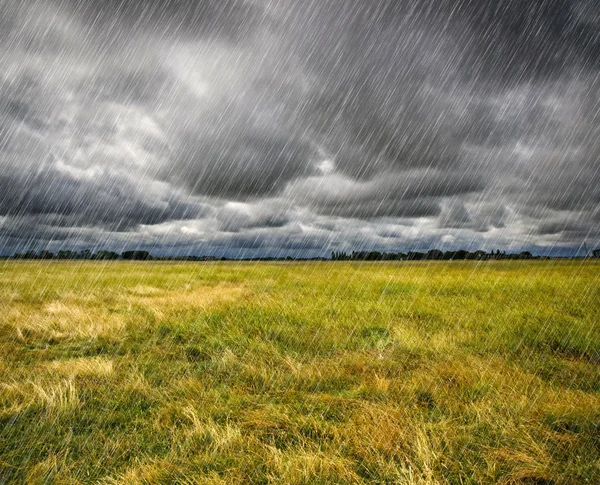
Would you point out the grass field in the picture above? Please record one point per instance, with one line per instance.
(340, 373)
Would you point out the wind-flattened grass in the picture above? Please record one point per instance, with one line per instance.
(144, 373)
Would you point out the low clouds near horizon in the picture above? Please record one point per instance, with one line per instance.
(283, 127)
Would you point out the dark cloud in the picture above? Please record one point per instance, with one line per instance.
(557, 227)
(125, 85)
(236, 217)
(394, 194)
(256, 123)
(229, 20)
(537, 40)
(457, 216)
(112, 202)
(499, 40)
(20, 103)
(383, 208)
(241, 162)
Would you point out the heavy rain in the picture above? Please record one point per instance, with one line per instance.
(299, 178)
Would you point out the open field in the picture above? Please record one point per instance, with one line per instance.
(341, 373)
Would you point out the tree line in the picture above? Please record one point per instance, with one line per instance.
(432, 254)
(85, 254)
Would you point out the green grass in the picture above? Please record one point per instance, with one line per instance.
(340, 373)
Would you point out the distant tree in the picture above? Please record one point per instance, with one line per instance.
(415, 256)
(434, 254)
(66, 254)
(391, 256)
(136, 255)
(44, 254)
(103, 255)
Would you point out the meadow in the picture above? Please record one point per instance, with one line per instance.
(299, 373)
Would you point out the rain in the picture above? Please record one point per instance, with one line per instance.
(245, 128)
(268, 156)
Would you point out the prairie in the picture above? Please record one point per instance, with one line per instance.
(300, 373)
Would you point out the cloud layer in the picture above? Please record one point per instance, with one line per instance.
(284, 127)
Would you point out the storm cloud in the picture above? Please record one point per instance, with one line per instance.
(279, 125)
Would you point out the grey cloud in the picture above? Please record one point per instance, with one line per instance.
(20, 103)
(265, 215)
(557, 227)
(417, 193)
(505, 40)
(383, 208)
(228, 20)
(474, 115)
(481, 218)
(241, 162)
(457, 216)
(113, 202)
(580, 184)
(288, 238)
(128, 85)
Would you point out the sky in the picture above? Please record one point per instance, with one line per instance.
(287, 127)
